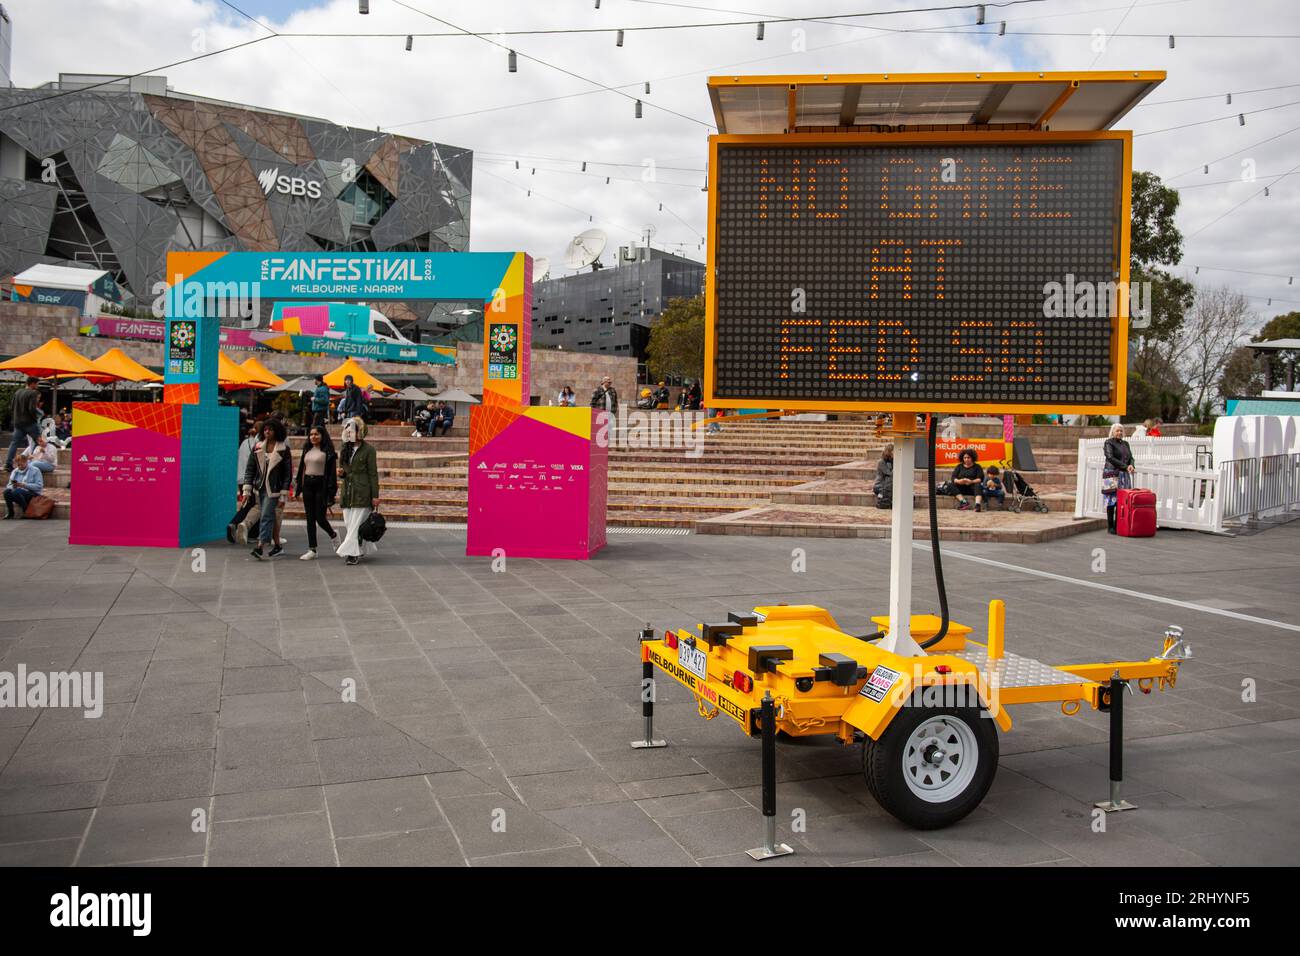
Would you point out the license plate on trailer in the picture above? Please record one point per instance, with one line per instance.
(694, 660)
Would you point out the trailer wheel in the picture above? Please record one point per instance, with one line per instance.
(932, 765)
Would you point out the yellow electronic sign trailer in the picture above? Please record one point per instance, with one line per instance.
(903, 244)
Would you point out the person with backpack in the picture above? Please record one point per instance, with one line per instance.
(359, 470)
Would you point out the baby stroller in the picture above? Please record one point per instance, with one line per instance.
(1019, 492)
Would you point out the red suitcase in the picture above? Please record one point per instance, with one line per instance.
(1136, 513)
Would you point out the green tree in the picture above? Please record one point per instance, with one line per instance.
(1285, 326)
(1155, 241)
(1154, 238)
(676, 344)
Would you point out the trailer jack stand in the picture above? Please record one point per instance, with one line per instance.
(1116, 706)
(648, 702)
(770, 848)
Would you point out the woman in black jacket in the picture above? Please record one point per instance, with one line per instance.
(269, 474)
(1119, 467)
(317, 485)
(968, 479)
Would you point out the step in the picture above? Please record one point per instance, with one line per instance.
(859, 494)
(1043, 478)
(842, 522)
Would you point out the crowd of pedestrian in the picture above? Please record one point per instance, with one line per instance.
(322, 478)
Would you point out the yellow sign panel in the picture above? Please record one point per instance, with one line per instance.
(975, 271)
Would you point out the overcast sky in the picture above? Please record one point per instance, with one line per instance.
(457, 90)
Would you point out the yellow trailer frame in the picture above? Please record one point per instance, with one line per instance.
(809, 702)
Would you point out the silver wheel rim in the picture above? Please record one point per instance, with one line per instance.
(940, 758)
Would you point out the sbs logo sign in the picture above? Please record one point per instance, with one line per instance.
(270, 179)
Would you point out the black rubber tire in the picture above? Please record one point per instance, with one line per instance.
(882, 767)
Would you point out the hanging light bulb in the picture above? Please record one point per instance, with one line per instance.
(409, 39)
(647, 87)
(584, 165)
(979, 17)
(606, 180)
(1241, 119)
(661, 207)
(534, 172)
(618, 40)
(1171, 41)
(638, 109)
(1002, 28)
(760, 30)
(516, 164)
(1198, 271)
(1229, 99)
(597, 4)
(1265, 190)
(363, 6)
(1207, 170)
(512, 62)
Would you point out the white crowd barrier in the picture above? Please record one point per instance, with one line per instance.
(1250, 469)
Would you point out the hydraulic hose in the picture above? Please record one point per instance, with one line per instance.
(934, 540)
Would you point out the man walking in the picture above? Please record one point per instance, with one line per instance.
(26, 415)
(320, 402)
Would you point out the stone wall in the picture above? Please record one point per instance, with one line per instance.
(552, 370)
(24, 326)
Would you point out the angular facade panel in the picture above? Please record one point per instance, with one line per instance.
(116, 178)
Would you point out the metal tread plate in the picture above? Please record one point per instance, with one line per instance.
(1012, 670)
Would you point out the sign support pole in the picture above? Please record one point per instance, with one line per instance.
(899, 639)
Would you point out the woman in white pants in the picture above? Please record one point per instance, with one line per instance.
(359, 472)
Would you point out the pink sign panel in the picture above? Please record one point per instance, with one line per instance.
(537, 490)
(126, 461)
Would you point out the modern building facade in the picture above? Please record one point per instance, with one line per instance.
(6, 49)
(611, 310)
(115, 173)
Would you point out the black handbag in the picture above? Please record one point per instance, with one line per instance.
(373, 528)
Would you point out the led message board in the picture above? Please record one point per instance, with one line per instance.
(908, 273)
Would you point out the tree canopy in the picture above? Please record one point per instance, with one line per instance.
(676, 346)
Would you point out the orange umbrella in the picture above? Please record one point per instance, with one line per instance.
(259, 372)
(51, 360)
(116, 366)
(359, 375)
(232, 378)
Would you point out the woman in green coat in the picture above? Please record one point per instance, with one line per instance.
(359, 472)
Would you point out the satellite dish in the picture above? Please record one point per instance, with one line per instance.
(585, 248)
(541, 268)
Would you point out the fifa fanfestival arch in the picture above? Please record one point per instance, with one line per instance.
(163, 474)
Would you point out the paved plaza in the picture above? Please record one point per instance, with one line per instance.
(494, 710)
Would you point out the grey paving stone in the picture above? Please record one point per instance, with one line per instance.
(382, 806)
(367, 758)
(161, 776)
(267, 803)
(561, 856)
(44, 853)
(145, 735)
(51, 825)
(488, 825)
(298, 839)
(144, 831)
(434, 847)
